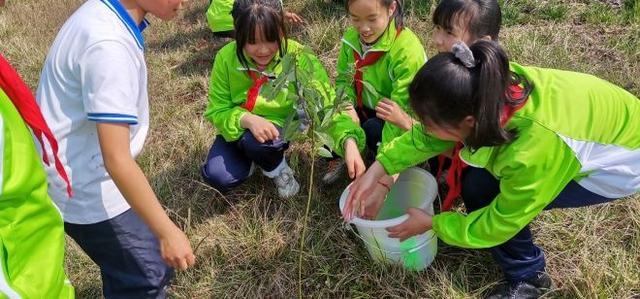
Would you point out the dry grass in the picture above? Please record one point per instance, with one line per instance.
(248, 240)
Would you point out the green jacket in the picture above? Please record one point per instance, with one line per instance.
(230, 82)
(390, 76)
(573, 127)
(31, 228)
(219, 15)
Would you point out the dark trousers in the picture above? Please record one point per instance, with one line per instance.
(229, 163)
(519, 257)
(128, 255)
(372, 126)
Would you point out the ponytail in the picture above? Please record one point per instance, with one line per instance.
(476, 80)
(492, 78)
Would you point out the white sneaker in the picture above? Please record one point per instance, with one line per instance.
(285, 181)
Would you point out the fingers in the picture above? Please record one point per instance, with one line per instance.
(359, 169)
(191, 260)
(260, 137)
(181, 264)
(399, 231)
(351, 165)
(274, 132)
(349, 204)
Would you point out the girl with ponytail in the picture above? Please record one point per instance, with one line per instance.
(534, 138)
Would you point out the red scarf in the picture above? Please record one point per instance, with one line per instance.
(254, 90)
(454, 176)
(361, 62)
(25, 103)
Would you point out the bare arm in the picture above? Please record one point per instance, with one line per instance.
(132, 183)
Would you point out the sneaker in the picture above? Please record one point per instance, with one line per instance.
(335, 170)
(285, 181)
(532, 288)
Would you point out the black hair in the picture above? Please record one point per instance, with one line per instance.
(398, 15)
(444, 92)
(483, 17)
(249, 16)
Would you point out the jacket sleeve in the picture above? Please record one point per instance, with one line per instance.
(222, 111)
(409, 149)
(407, 61)
(532, 172)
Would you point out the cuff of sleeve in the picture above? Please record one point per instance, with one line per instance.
(340, 150)
(113, 118)
(239, 122)
(387, 164)
(435, 224)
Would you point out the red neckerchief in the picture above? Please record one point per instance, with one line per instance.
(25, 103)
(454, 176)
(254, 90)
(369, 59)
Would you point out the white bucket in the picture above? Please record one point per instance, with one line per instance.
(415, 188)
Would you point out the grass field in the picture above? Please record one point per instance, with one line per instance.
(247, 241)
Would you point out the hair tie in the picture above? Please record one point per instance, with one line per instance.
(463, 53)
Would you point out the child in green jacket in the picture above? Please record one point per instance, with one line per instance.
(31, 229)
(249, 126)
(534, 139)
(377, 61)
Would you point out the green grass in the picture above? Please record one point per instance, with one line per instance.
(248, 240)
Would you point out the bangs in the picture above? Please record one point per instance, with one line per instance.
(263, 27)
(258, 21)
(449, 14)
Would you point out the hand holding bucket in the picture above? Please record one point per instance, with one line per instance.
(366, 195)
(406, 214)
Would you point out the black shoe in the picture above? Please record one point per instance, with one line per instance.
(531, 288)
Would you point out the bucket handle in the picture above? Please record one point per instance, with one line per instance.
(348, 227)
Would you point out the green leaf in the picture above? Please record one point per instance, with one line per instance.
(324, 138)
(290, 129)
(372, 90)
(323, 152)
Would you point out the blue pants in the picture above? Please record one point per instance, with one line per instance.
(128, 255)
(229, 163)
(519, 257)
(372, 126)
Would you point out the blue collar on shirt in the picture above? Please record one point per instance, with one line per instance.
(123, 15)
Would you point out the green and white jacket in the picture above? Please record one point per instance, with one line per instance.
(573, 127)
(390, 76)
(230, 83)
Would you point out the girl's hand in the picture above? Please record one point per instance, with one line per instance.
(353, 159)
(419, 222)
(366, 195)
(293, 18)
(390, 111)
(176, 249)
(262, 129)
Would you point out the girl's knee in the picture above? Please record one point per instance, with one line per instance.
(217, 177)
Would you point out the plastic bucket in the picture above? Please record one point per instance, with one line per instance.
(415, 188)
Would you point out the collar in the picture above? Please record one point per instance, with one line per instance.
(127, 20)
(384, 43)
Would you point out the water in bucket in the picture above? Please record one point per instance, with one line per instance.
(415, 188)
